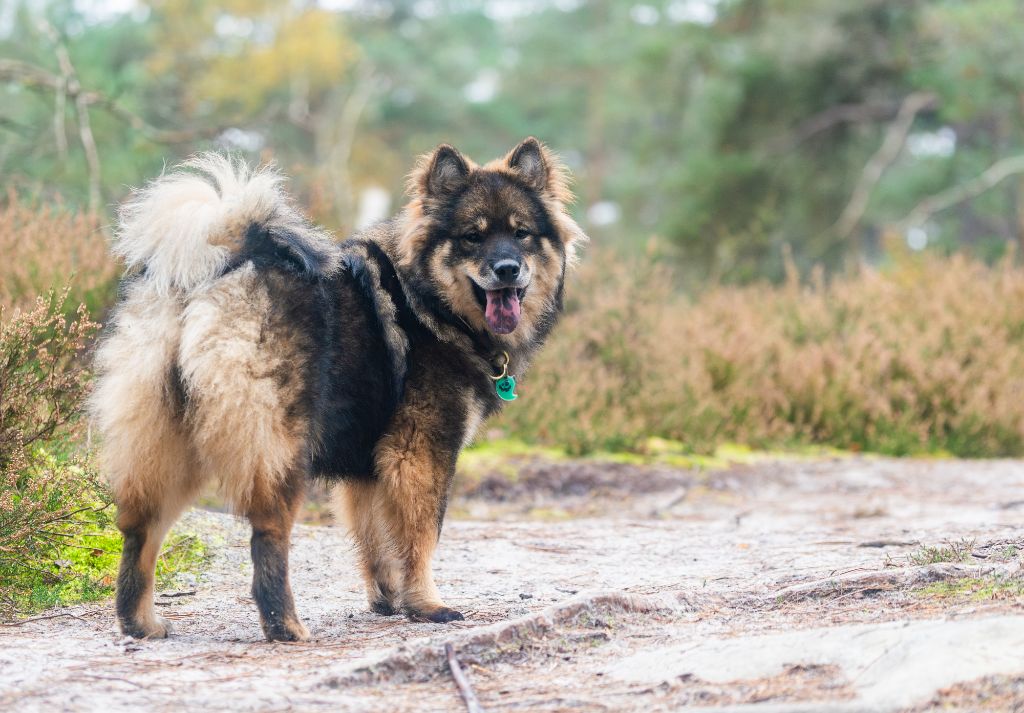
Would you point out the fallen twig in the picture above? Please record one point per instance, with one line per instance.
(41, 618)
(888, 543)
(187, 539)
(101, 677)
(465, 690)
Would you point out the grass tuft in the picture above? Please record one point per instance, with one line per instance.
(44, 247)
(953, 551)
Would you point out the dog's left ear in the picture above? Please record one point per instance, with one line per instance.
(530, 161)
(540, 169)
(545, 173)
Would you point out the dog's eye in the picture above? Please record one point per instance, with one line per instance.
(473, 237)
(522, 233)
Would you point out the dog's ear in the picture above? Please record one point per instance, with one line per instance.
(540, 169)
(439, 174)
(530, 161)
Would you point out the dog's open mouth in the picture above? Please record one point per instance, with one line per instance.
(502, 308)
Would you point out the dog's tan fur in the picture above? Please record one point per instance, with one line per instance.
(249, 403)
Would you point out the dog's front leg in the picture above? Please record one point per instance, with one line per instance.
(414, 469)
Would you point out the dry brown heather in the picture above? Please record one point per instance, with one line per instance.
(44, 248)
(926, 355)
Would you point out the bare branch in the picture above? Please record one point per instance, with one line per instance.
(92, 156)
(892, 144)
(830, 117)
(67, 84)
(342, 137)
(59, 115)
(27, 74)
(986, 180)
(61, 99)
(32, 77)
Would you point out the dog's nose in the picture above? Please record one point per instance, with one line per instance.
(506, 270)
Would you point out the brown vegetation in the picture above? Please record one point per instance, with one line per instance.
(44, 248)
(924, 355)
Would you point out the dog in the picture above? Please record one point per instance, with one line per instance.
(249, 347)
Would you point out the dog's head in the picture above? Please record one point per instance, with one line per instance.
(492, 242)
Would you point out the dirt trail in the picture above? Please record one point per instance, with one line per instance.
(780, 586)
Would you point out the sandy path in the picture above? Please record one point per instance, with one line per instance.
(647, 602)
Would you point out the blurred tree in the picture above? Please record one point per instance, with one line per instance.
(736, 131)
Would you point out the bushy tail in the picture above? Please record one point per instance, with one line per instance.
(187, 226)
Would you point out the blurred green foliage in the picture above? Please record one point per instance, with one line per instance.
(733, 130)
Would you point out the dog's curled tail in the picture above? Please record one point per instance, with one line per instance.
(188, 226)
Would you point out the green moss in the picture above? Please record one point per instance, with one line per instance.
(85, 569)
(974, 589)
(499, 455)
(548, 514)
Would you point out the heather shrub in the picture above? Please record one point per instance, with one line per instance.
(43, 248)
(48, 495)
(58, 542)
(926, 355)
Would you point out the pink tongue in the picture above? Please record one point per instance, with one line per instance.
(502, 313)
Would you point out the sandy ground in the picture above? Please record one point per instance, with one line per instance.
(792, 585)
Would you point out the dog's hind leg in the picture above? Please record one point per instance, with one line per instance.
(157, 484)
(245, 363)
(272, 512)
(138, 407)
(144, 524)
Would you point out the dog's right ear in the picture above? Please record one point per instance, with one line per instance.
(439, 174)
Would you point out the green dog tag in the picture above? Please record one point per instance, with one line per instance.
(506, 388)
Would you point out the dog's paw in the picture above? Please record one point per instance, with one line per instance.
(282, 630)
(437, 615)
(383, 607)
(154, 628)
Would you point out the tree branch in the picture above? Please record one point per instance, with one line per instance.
(92, 154)
(986, 180)
(341, 137)
(830, 117)
(59, 114)
(32, 77)
(461, 682)
(892, 144)
(67, 82)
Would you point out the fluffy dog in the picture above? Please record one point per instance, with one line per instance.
(250, 348)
